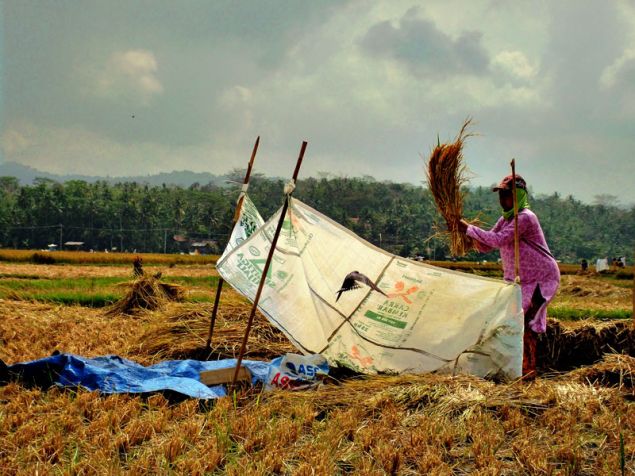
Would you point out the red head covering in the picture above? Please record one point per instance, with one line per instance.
(506, 183)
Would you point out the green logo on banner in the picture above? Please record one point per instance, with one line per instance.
(252, 269)
(385, 319)
(256, 263)
(249, 218)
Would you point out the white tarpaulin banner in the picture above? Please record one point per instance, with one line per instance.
(248, 222)
(430, 319)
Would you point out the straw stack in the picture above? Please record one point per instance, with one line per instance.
(146, 293)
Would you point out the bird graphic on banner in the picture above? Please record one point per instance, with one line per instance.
(353, 280)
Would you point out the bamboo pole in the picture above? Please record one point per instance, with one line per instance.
(263, 278)
(239, 206)
(516, 237)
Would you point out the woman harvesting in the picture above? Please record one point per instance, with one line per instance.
(538, 270)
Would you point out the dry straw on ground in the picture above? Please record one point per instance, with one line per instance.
(571, 423)
(181, 332)
(410, 424)
(446, 174)
(31, 330)
(614, 370)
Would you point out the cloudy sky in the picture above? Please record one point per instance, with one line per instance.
(369, 84)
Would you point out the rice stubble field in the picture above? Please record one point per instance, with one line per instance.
(578, 421)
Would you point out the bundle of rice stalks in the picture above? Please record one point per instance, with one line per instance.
(182, 333)
(173, 292)
(562, 348)
(146, 293)
(446, 175)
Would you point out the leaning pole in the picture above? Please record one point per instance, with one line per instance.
(263, 278)
(239, 206)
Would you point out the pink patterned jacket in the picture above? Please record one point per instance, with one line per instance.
(537, 265)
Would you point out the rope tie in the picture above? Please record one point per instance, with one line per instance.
(289, 187)
(243, 192)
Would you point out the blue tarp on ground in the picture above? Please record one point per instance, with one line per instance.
(113, 374)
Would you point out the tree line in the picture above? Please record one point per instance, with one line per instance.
(398, 217)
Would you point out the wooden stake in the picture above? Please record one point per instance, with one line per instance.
(215, 377)
(212, 321)
(516, 237)
(239, 206)
(263, 278)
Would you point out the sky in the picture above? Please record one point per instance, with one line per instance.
(123, 87)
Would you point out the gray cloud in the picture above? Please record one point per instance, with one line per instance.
(580, 139)
(583, 42)
(369, 85)
(201, 49)
(420, 45)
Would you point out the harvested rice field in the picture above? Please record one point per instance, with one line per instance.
(43, 271)
(576, 418)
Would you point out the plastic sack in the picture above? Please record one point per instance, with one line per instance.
(602, 264)
(296, 371)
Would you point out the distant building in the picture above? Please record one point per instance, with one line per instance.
(197, 246)
(74, 245)
(204, 247)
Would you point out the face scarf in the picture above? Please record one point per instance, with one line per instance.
(521, 200)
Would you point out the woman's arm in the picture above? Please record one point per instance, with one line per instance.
(500, 235)
(480, 246)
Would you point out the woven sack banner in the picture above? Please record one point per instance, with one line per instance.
(427, 319)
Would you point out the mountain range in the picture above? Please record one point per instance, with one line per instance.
(184, 178)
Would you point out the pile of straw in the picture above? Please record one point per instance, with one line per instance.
(614, 370)
(182, 333)
(146, 293)
(446, 175)
(562, 348)
(439, 395)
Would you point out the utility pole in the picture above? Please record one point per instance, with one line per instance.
(61, 235)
